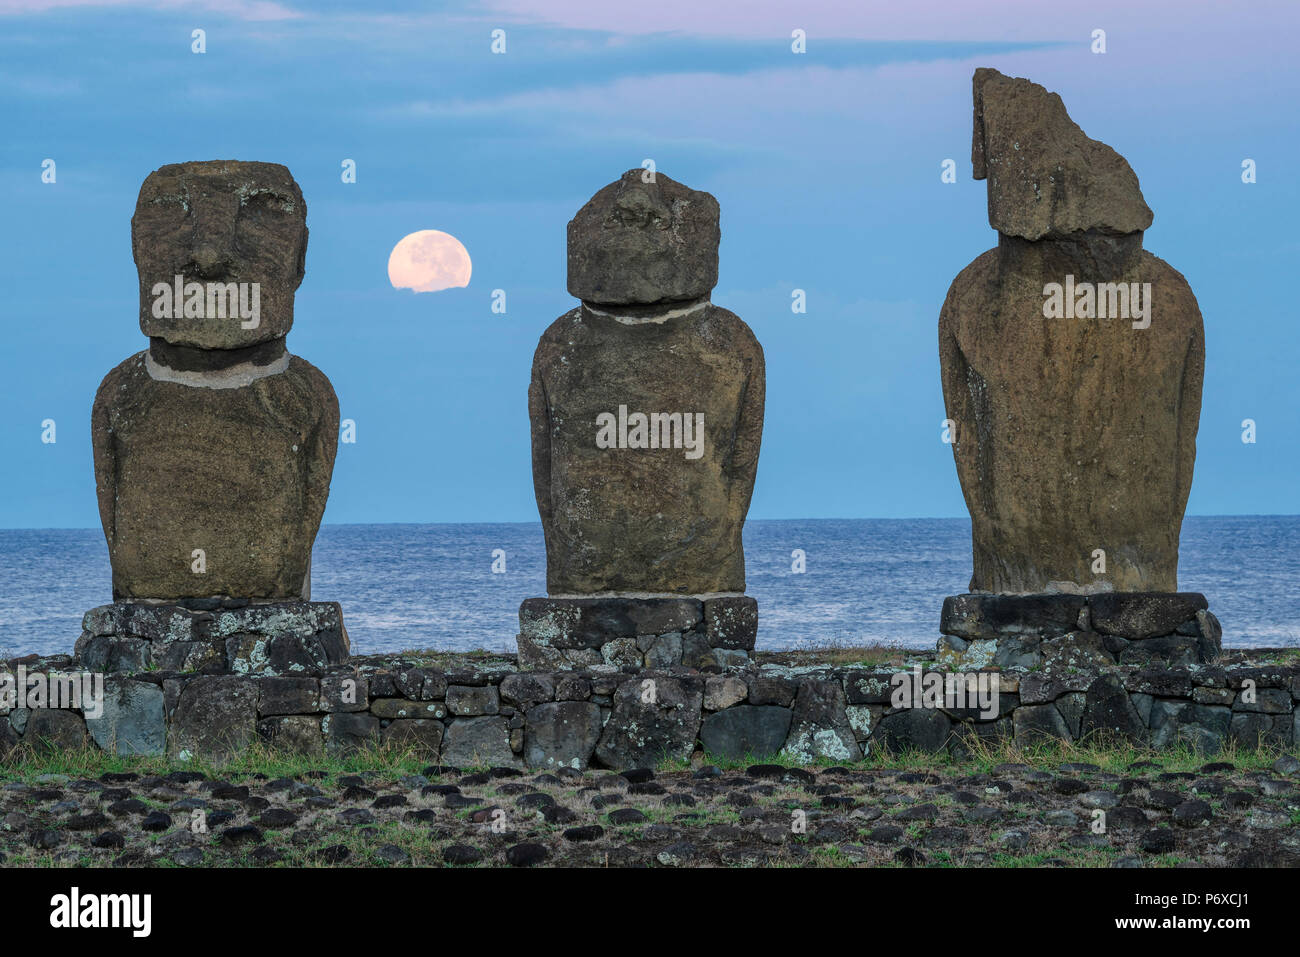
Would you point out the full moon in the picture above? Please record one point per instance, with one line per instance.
(427, 261)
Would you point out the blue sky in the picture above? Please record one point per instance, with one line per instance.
(826, 166)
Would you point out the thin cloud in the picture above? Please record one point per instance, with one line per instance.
(1011, 20)
(235, 9)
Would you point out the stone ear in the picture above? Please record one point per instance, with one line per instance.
(135, 249)
(302, 258)
(979, 165)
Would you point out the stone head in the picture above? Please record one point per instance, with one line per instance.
(638, 242)
(1046, 178)
(223, 225)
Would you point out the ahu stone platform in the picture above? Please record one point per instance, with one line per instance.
(214, 634)
(467, 711)
(651, 632)
(1027, 631)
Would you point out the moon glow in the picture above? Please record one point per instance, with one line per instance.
(429, 260)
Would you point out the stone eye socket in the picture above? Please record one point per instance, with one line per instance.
(264, 202)
(164, 216)
(621, 216)
(169, 207)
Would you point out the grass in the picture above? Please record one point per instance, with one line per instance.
(1072, 857)
(392, 762)
(1108, 754)
(257, 758)
(983, 756)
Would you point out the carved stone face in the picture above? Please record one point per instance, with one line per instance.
(216, 223)
(637, 243)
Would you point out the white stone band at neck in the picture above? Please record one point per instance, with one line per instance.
(236, 377)
(655, 317)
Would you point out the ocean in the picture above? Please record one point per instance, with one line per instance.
(867, 580)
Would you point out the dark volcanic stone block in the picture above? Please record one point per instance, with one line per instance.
(920, 729)
(575, 622)
(55, 729)
(344, 690)
(107, 653)
(664, 615)
(294, 733)
(187, 655)
(1253, 729)
(997, 616)
(420, 735)
(731, 622)
(860, 687)
(132, 720)
(653, 719)
(478, 743)
(1039, 721)
(1210, 641)
(1171, 649)
(525, 690)
(1139, 615)
(775, 689)
(746, 730)
(820, 724)
(1108, 711)
(288, 695)
(215, 716)
(561, 734)
(347, 732)
(1201, 726)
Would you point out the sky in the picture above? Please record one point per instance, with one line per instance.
(827, 166)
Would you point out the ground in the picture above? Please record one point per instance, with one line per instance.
(1056, 805)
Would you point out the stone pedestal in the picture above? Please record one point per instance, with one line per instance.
(1027, 631)
(567, 633)
(214, 635)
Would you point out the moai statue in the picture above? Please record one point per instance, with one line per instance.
(646, 405)
(214, 447)
(1072, 362)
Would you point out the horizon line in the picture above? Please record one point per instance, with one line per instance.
(910, 518)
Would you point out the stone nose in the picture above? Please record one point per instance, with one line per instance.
(209, 260)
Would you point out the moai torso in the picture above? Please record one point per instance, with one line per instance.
(241, 474)
(214, 448)
(647, 411)
(1075, 431)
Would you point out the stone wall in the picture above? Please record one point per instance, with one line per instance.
(473, 713)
